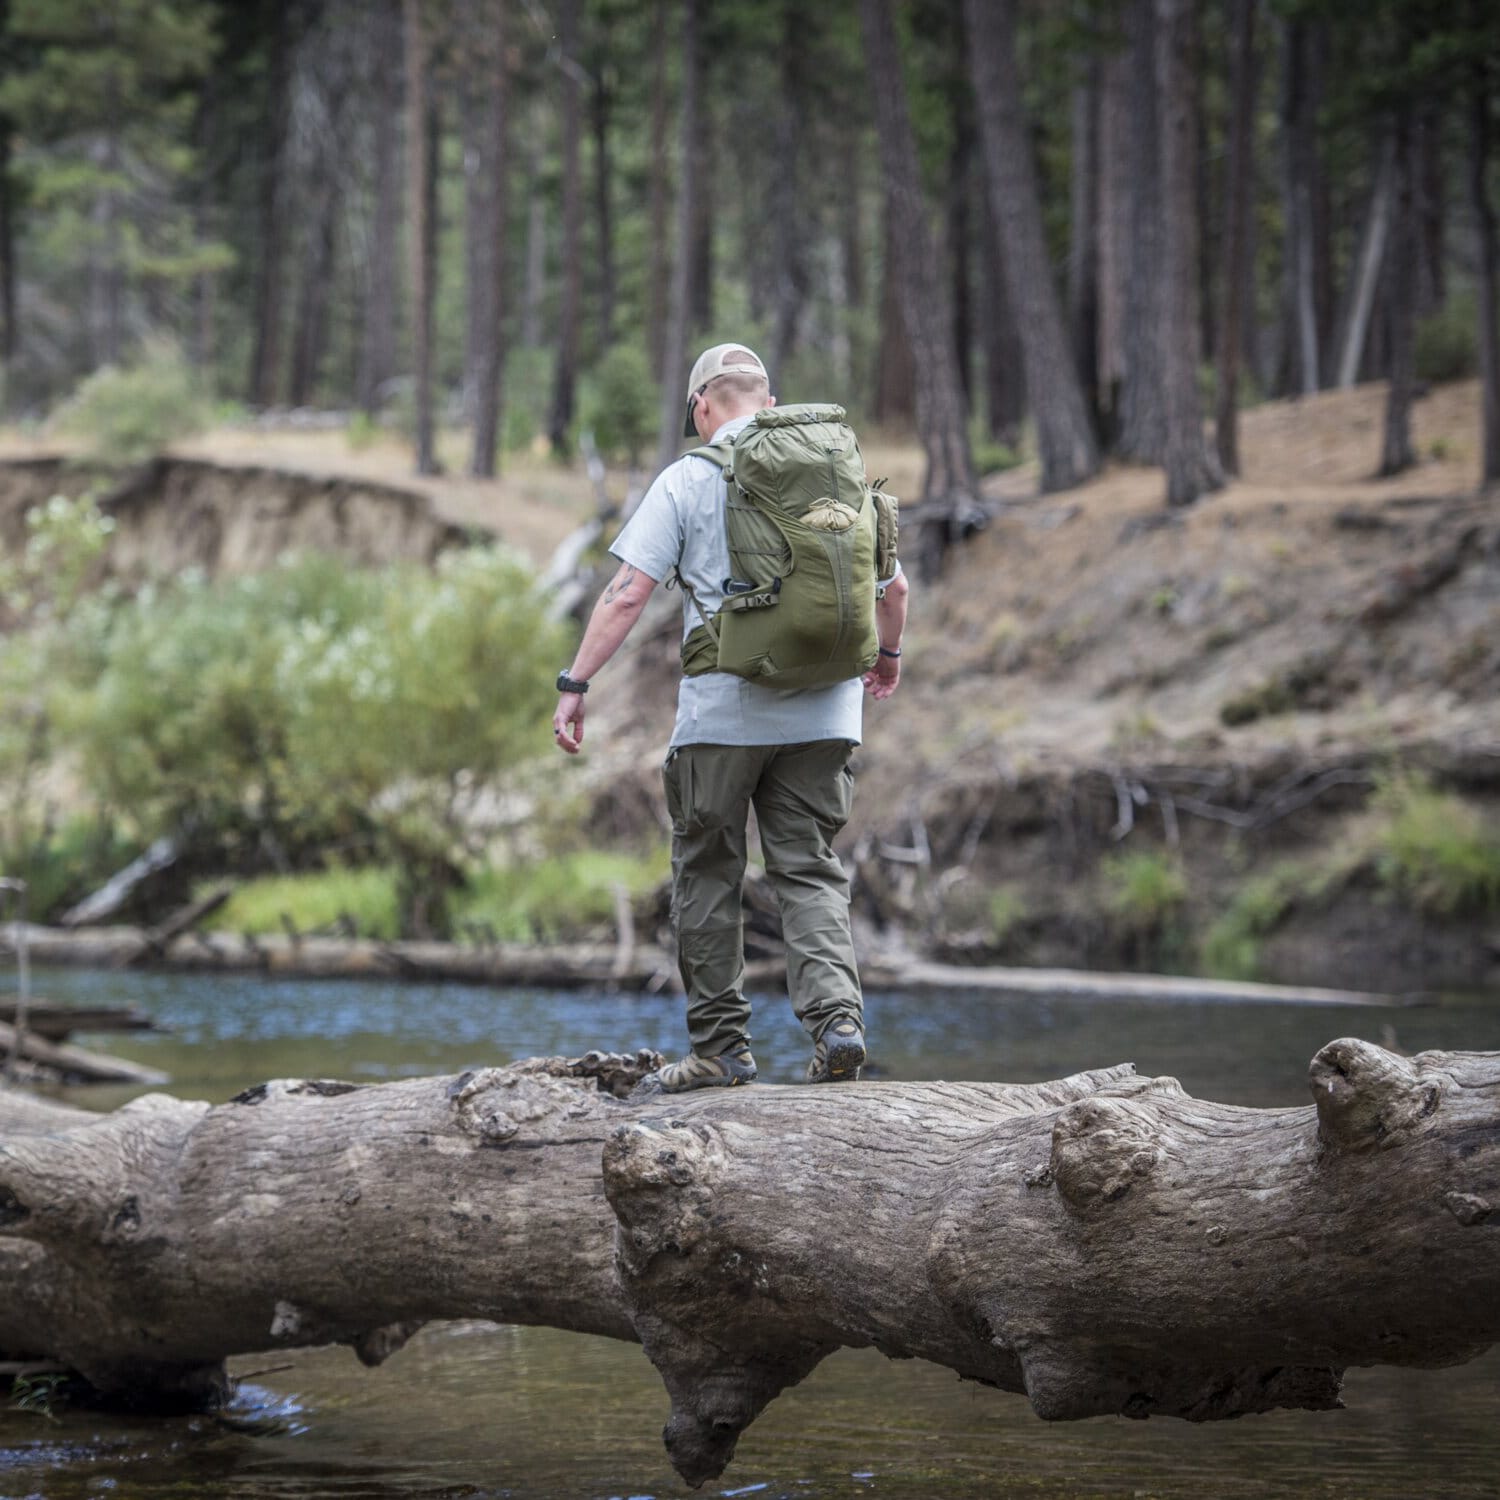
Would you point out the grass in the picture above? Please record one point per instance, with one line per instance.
(555, 899)
(1231, 946)
(1437, 851)
(318, 899)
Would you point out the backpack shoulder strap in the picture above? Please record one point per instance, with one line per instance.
(721, 455)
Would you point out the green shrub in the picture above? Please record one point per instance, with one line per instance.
(1437, 850)
(125, 416)
(60, 863)
(1007, 911)
(527, 389)
(315, 703)
(1231, 946)
(620, 404)
(1144, 890)
(991, 457)
(554, 899)
(362, 432)
(1446, 346)
(317, 899)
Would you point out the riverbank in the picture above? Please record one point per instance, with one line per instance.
(637, 968)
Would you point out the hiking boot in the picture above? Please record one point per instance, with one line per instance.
(838, 1055)
(694, 1072)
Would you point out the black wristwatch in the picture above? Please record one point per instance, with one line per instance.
(566, 684)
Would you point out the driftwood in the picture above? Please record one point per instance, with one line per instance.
(65, 1063)
(56, 1023)
(1103, 1243)
(627, 965)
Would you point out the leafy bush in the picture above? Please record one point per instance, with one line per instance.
(61, 863)
(1447, 346)
(1143, 891)
(315, 703)
(620, 404)
(1231, 946)
(367, 897)
(125, 416)
(1437, 850)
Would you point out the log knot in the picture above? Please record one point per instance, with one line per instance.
(660, 1180)
(1468, 1208)
(1369, 1099)
(492, 1104)
(1101, 1148)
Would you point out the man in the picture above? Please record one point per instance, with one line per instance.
(735, 744)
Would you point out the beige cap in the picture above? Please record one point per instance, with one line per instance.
(722, 359)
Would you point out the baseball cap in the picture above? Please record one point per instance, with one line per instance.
(722, 359)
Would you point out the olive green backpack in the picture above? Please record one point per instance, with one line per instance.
(809, 537)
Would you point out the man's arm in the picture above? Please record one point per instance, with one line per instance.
(890, 621)
(614, 616)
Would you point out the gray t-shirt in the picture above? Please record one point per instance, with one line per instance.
(680, 523)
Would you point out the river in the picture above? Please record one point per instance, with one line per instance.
(537, 1414)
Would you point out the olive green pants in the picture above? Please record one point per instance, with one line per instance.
(802, 796)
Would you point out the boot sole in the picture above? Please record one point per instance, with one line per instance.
(844, 1060)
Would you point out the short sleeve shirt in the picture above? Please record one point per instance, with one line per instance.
(680, 524)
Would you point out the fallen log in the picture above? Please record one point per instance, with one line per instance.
(634, 966)
(56, 1023)
(1103, 1243)
(69, 1064)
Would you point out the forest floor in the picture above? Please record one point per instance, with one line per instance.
(1120, 727)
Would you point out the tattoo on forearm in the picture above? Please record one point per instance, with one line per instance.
(619, 583)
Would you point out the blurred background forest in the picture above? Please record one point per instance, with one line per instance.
(1078, 226)
(1087, 242)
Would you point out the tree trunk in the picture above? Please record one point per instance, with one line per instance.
(487, 292)
(1083, 256)
(1489, 267)
(377, 346)
(941, 422)
(674, 339)
(959, 245)
(1113, 239)
(535, 289)
(565, 370)
(1065, 438)
(1431, 201)
(311, 338)
(1191, 467)
(1397, 452)
(9, 332)
(265, 359)
(1237, 198)
(1364, 274)
(1103, 1243)
(1299, 166)
(600, 106)
(1143, 419)
(419, 173)
(789, 213)
(659, 276)
(1004, 364)
(895, 367)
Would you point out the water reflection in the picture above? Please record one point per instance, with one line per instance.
(536, 1414)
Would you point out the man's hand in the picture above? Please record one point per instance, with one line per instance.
(567, 723)
(882, 679)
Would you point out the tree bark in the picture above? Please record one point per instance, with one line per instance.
(941, 424)
(1004, 364)
(1397, 452)
(311, 337)
(1191, 467)
(265, 359)
(9, 332)
(675, 327)
(659, 273)
(1083, 255)
(601, 104)
(1239, 176)
(565, 369)
(1103, 1243)
(1489, 268)
(1113, 241)
(420, 216)
(377, 347)
(490, 205)
(1364, 275)
(1299, 168)
(895, 368)
(789, 212)
(1065, 438)
(1143, 420)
